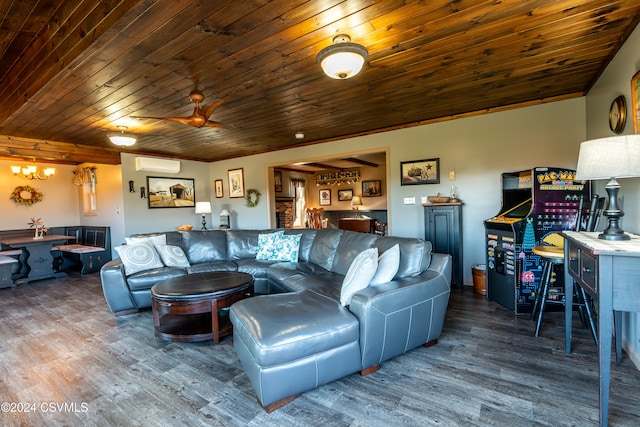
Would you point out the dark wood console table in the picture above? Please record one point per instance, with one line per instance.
(609, 271)
(363, 225)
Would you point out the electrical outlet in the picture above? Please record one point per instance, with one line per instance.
(409, 200)
(424, 199)
(452, 175)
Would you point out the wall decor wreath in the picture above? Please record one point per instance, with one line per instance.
(26, 195)
(252, 197)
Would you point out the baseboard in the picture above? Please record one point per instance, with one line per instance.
(631, 352)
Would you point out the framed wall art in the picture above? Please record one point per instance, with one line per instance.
(372, 188)
(277, 179)
(325, 197)
(236, 183)
(345, 195)
(218, 187)
(165, 192)
(420, 172)
(635, 102)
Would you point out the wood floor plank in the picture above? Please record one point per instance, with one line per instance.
(60, 344)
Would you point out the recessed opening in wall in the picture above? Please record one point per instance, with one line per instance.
(297, 185)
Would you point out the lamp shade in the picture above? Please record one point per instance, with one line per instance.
(356, 201)
(203, 207)
(122, 139)
(612, 157)
(342, 59)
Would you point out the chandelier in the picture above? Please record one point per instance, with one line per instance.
(31, 172)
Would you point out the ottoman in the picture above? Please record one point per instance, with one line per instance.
(291, 343)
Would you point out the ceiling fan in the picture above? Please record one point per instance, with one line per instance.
(200, 116)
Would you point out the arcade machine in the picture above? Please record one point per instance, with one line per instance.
(536, 204)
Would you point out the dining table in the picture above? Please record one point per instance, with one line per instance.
(36, 252)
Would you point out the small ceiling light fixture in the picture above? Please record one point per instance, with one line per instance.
(299, 135)
(342, 59)
(31, 172)
(122, 139)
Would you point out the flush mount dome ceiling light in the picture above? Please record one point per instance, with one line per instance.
(122, 139)
(342, 59)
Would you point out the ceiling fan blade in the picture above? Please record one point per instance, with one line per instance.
(207, 109)
(185, 120)
(214, 124)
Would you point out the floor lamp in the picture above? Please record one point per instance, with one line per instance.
(610, 158)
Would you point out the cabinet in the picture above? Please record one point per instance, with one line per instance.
(443, 228)
(363, 225)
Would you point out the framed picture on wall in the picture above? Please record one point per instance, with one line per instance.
(345, 195)
(236, 183)
(218, 186)
(164, 192)
(635, 102)
(372, 188)
(277, 180)
(325, 197)
(420, 172)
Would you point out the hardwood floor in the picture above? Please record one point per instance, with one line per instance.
(63, 353)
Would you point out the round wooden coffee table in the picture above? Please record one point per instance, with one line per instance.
(193, 307)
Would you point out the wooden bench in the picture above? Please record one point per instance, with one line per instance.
(19, 268)
(6, 263)
(90, 250)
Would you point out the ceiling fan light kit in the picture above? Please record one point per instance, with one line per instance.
(343, 59)
(121, 138)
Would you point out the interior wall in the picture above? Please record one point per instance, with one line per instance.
(477, 148)
(616, 80)
(368, 203)
(140, 219)
(59, 206)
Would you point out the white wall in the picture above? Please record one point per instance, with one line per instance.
(59, 206)
(478, 148)
(616, 80)
(138, 218)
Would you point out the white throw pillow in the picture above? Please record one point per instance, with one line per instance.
(173, 256)
(388, 265)
(360, 273)
(138, 257)
(160, 239)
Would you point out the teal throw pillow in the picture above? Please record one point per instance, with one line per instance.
(267, 245)
(287, 248)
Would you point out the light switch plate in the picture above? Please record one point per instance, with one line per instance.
(452, 175)
(424, 199)
(409, 200)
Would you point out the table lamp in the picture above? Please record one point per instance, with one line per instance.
(203, 208)
(610, 158)
(355, 202)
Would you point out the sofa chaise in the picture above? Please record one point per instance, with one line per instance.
(299, 332)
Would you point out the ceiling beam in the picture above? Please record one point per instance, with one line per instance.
(361, 162)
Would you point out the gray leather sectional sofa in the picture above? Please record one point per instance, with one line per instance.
(297, 335)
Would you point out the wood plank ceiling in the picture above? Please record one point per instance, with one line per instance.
(74, 70)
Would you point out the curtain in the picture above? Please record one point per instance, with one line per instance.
(84, 175)
(299, 203)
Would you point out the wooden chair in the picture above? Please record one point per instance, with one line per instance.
(380, 228)
(315, 218)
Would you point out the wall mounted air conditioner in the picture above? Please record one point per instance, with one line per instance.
(152, 164)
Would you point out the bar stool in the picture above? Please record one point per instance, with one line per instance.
(554, 256)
